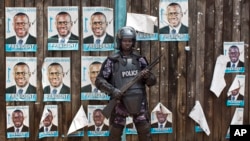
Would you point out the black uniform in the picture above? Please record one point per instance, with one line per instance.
(116, 71)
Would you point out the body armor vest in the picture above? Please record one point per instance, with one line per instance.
(125, 69)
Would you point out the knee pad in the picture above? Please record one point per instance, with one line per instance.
(143, 127)
(115, 132)
(143, 130)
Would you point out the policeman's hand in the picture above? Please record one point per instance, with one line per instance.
(145, 73)
(117, 93)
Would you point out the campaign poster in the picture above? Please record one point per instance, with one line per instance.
(63, 32)
(20, 29)
(91, 66)
(161, 120)
(17, 121)
(130, 126)
(98, 29)
(173, 20)
(21, 78)
(236, 92)
(56, 79)
(98, 125)
(235, 53)
(48, 126)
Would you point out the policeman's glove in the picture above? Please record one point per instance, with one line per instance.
(116, 93)
(145, 73)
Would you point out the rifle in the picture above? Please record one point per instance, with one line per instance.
(112, 103)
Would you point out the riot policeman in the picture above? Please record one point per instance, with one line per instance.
(119, 69)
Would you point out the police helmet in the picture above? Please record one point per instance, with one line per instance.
(125, 32)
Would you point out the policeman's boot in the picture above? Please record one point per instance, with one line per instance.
(143, 130)
(115, 132)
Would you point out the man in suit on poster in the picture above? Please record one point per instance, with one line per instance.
(99, 26)
(48, 124)
(21, 74)
(21, 25)
(162, 121)
(98, 119)
(235, 94)
(94, 69)
(55, 76)
(17, 119)
(174, 17)
(64, 25)
(234, 54)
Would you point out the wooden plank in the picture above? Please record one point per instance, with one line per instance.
(191, 69)
(236, 20)
(200, 53)
(182, 79)
(30, 3)
(154, 49)
(76, 71)
(38, 109)
(208, 71)
(85, 3)
(135, 7)
(173, 89)
(245, 10)
(225, 11)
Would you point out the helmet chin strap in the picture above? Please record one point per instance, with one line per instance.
(126, 52)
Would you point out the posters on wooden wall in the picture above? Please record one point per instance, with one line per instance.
(63, 35)
(232, 61)
(98, 29)
(20, 29)
(17, 118)
(56, 79)
(21, 79)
